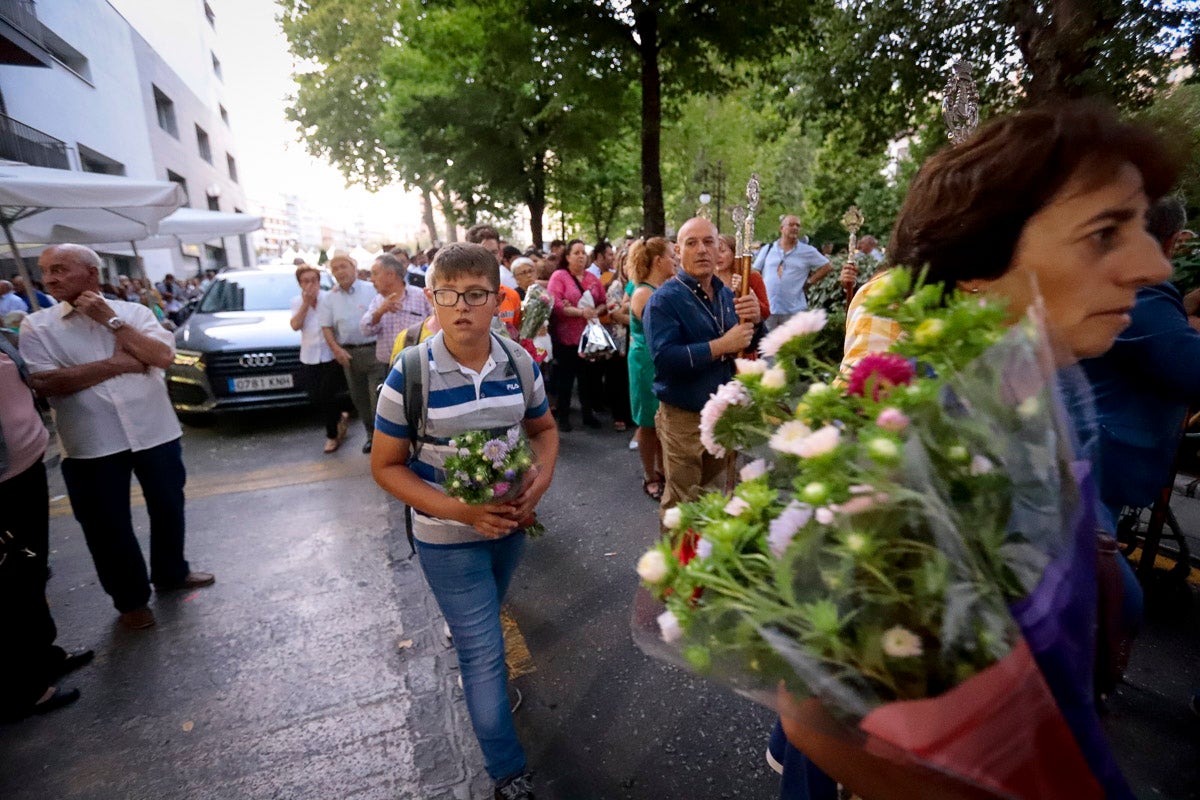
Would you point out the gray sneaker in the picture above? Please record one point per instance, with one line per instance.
(519, 787)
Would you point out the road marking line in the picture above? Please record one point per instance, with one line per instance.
(516, 652)
(254, 481)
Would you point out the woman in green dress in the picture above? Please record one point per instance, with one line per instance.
(651, 261)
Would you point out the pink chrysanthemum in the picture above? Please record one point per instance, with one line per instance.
(882, 371)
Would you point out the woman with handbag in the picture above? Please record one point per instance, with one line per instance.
(616, 369)
(578, 298)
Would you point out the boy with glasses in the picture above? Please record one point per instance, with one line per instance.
(471, 379)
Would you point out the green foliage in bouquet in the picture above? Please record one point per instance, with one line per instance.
(872, 531)
(490, 467)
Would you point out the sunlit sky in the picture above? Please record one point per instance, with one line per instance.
(258, 78)
(257, 70)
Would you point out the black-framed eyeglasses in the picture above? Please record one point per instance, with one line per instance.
(448, 298)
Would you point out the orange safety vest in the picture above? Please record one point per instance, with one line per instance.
(510, 308)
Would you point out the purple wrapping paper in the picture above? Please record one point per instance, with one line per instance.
(1058, 620)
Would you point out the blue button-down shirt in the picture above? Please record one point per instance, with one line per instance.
(680, 321)
(1142, 389)
(785, 274)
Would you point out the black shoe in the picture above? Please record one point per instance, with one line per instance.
(367, 446)
(72, 662)
(193, 580)
(590, 421)
(60, 698)
(564, 423)
(518, 787)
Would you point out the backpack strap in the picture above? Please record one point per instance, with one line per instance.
(520, 367)
(414, 366)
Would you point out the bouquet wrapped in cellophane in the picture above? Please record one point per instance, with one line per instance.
(595, 343)
(906, 554)
(535, 310)
(535, 313)
(492, 467)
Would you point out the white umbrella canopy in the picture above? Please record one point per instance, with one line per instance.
(185, 226)
(43, 205)
(38, 204)
(188, 226)
(193, 226)
(362, 256)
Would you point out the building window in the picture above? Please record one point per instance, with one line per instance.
(66, 55)
(214, 203)
(166, 112)
(224, 114)
(203, 145)
(210, 16)
(91, 161)
(232, 167)
(175, 177)
(217, 67)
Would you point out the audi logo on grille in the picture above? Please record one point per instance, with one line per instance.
(257, 360)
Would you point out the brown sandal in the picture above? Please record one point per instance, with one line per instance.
(657, 492)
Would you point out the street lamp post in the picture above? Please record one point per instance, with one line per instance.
(713, 176)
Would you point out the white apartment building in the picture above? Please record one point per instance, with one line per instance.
(127, 87)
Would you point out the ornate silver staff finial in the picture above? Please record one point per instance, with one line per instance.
(852, 221)
(752, 192)
(960, 103)
(752, 197)
(739, 220)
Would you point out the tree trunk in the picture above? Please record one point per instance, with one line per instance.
(536, 198)
(653, 214)
(427, 215)
(449, 213)
(1058, 45)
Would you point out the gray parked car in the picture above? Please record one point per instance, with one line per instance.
(238, 350)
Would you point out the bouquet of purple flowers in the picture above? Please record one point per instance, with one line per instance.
(491, 467)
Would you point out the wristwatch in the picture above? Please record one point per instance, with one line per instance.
(116, 323)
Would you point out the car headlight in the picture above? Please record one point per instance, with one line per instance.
(187, 358)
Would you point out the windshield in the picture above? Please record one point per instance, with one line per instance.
(265, 291)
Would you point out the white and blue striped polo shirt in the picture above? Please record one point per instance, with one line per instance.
(460, 400)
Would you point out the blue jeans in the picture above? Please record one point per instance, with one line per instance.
(1133, 601)
(99, 492)
(801, 779)
(469, 582)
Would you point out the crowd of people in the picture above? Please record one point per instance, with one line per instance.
(1065, 207)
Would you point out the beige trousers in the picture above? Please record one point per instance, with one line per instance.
(690, 469)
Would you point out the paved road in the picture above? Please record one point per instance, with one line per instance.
(315, 668)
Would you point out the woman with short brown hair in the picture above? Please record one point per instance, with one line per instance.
(1045, 208)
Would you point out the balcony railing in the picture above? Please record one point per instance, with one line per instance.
(19, 142)
(22, 16)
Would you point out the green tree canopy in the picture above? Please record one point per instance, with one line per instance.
(885, 59)
(466, 99)
(670, 48)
